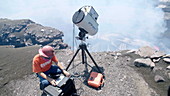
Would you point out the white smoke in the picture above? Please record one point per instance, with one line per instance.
(130, 24)
(123, 24)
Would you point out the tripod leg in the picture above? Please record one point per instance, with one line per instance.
(85, 64)
(83, 56)
(72, 59)
(93, 60)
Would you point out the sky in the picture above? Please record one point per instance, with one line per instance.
(123, 24)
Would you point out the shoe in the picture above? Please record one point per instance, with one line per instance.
(41, 86)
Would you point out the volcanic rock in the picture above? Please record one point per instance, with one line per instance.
(168, 67)
(146, 51)
(25, 32)
(156, 60)
(166, 60)
(141, 62)
(159, 78)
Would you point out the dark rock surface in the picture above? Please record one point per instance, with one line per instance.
(25, 32)
(123, 78)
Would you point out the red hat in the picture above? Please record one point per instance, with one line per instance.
(46, 51)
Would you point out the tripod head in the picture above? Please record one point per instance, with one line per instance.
(82, 34)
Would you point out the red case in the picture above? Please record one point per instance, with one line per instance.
(95, 79)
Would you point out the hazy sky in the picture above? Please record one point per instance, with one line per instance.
(124, 23)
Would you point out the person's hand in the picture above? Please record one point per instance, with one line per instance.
(66, 73)
(52, 81)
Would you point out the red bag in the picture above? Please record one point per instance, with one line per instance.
(95, 79)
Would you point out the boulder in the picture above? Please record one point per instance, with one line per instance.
(141, 62)
(166, 60)
(156, 60)
(146, 51)
(159, 78)
(168, 67)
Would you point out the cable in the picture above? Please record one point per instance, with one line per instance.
(73, 36)
(73, 41)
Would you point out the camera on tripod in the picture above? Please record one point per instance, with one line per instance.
(86, 19)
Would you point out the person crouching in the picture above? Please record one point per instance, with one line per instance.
(43, 67)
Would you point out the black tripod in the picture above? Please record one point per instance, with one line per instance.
(84, 50)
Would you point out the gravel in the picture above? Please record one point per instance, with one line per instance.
(121, 78)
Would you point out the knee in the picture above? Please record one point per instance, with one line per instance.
(58, 70)
(43, 84)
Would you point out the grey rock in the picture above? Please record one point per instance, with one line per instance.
(146, 51)
(156, 60)
(166, 60)
(159, 78)
(141, 62)
(168, 67)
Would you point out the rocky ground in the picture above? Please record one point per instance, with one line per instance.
(123, 78)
